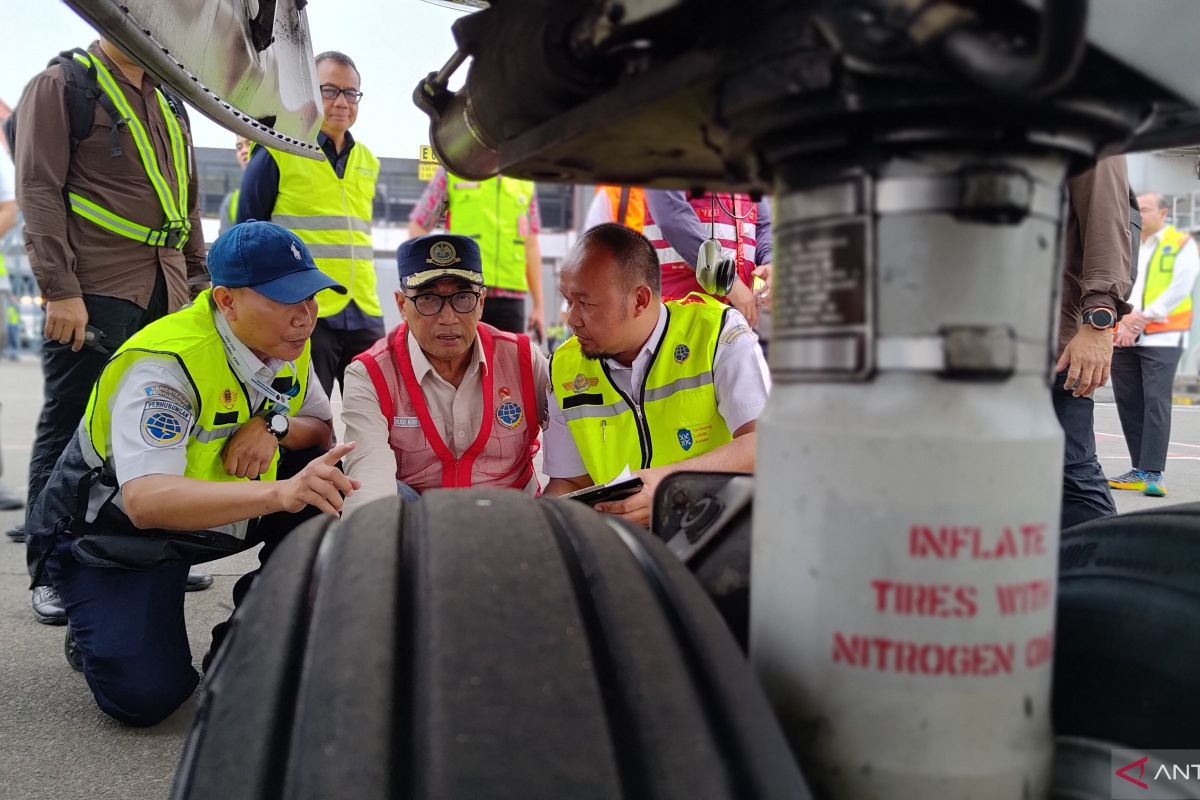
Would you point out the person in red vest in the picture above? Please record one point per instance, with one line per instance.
(443, 401)
(677, 224)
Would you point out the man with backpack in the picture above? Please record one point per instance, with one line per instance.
(105, 180)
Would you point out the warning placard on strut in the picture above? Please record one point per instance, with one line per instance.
(822, 304)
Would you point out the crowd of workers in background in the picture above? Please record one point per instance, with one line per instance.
(202, 372)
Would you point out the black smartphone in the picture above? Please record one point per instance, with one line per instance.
(602, 494)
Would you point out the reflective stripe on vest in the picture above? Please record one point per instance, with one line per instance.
(174, 231)
(1159, 273)
(332, 216)
(495, 213)
(234, 196)
(678, 417)
(502, 453)
(189, 337)
(737, 238)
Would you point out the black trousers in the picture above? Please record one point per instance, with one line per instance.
(1085, 488)
(1143, 380)
(67, 379)
(505, 313)
(333, 349)
(130, 626)
(270, 531)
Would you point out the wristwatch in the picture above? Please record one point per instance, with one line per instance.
(1100, 318)
(277, 424)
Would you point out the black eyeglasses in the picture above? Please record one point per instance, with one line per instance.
(430, 304)
(330, 92)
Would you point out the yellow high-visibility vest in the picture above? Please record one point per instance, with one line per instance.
(332, 216)
(671, 417)
(495, 213)
(174, 231)
(1159, 273)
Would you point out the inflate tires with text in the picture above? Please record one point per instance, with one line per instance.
(481, 645)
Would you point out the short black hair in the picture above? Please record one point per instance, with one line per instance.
(633, 252)
(341, 58)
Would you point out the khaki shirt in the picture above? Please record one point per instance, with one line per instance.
(457, 413)
(71, 256)
(1097, 247)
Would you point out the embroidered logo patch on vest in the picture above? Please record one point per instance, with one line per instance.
(442, 254)
(685, 438)
(682, 352)
(509, 414)
(161, 428)
(581, 384)
(229, 397)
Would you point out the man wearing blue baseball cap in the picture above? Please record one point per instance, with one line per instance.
(443, 401)
(181, 458)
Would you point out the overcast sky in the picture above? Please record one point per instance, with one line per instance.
(394, 43)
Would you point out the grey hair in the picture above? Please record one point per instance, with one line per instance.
(341, 58)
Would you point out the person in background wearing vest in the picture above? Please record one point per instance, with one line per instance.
(328, 204)
(624, 205)
(1097, 252)
(444, 401)
(1149, 342)
(189, 439)
(501, 215)
(678, 226)
(645, 386)
(113, 236)
(9, 500)
(227, 215)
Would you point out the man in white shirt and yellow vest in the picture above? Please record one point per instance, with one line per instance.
(646, 386)
(1149, 342)
(183, 456)
(443, 401)
(328, 204)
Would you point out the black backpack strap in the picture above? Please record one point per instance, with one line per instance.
(82, 93)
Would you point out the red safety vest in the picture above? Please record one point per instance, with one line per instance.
(501, 455)
(739, 235)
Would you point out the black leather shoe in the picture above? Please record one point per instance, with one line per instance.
(71, 651)
(16, 533)
(198, 581)
(48, 607)
(9, 501)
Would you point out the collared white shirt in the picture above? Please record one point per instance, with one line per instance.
(159, 386)
(741, 381)
(1187, 267)
(456, 412)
